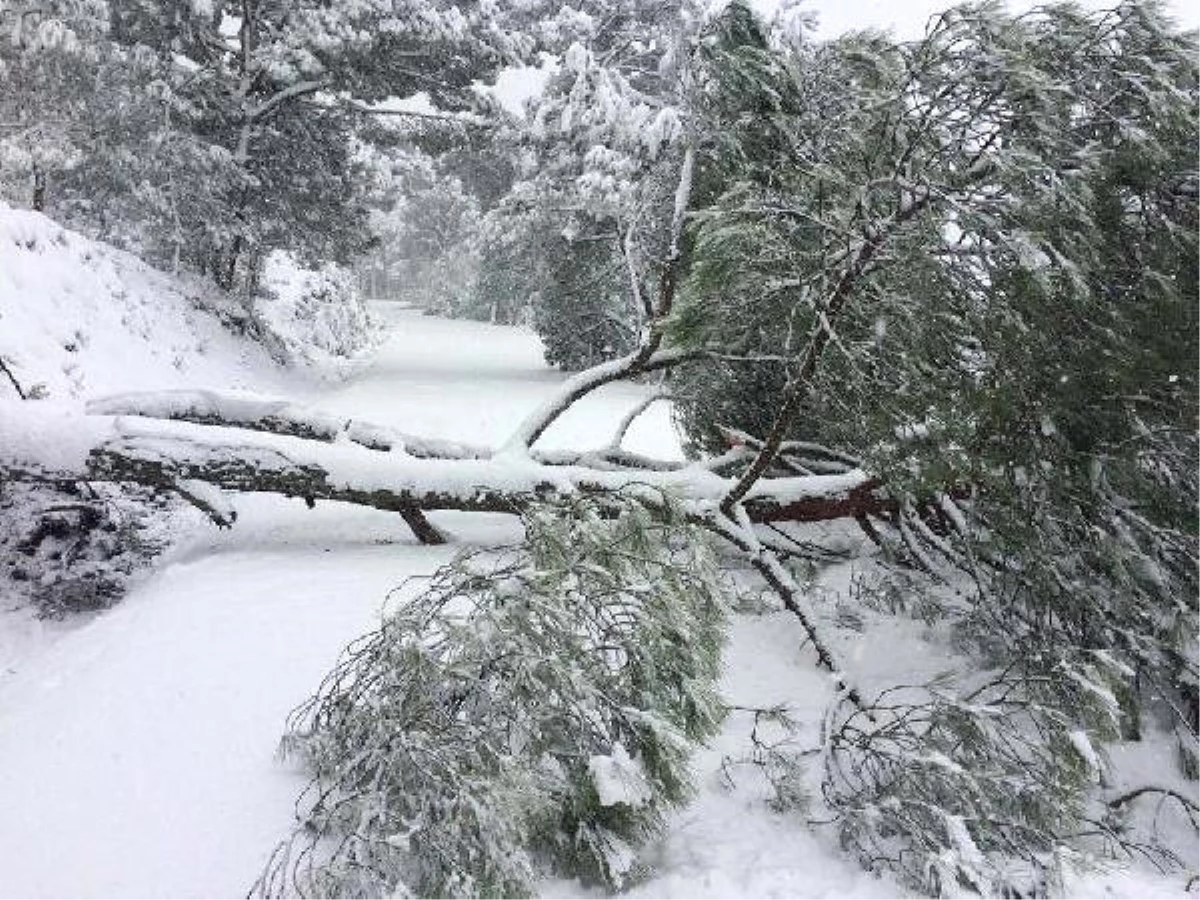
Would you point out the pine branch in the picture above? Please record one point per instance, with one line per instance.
(767, 564)
(291, 92)
(1128, 796)
(800, 385)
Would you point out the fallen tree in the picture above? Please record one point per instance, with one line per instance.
(200, 444)
(160, 440)
(899, 260)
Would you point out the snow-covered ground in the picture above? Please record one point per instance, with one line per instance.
(137, 749)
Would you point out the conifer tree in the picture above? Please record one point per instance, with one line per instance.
(596, 192)
(1016, 197)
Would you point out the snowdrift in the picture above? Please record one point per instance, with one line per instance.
(79, 318)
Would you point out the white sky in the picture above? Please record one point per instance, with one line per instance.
(907, 18)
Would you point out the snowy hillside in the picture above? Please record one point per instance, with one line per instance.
(79, 318)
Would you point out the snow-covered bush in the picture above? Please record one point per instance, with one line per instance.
(531, 712)
(317, 314)
(73, 548)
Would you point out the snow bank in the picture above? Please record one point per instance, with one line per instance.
(78, 317)
(49, 436)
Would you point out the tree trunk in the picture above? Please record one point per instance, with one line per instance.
(39, 189)
(242, 445)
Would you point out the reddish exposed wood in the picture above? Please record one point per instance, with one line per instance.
(864, 500)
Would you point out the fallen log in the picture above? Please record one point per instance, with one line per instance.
(44, 442)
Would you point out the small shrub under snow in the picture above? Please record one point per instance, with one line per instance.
(74, 548)
(317, 314)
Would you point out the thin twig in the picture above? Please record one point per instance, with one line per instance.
(13, 378)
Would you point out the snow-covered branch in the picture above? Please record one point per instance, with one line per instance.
(583, 383)
(291, 92)
(767, 564)
(206, 407)
(630, 417)
(46, 442)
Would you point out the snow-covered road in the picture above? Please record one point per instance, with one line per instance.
(472, 382)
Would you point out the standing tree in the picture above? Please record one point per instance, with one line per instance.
(52, 56)
(261, 84)
(581, 237)
(423, 225)
(202, 109)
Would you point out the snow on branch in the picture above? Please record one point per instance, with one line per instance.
(647, 358)
(630, 417)
(220, 408)
(205, 407)
(49, 442)
(291, 92)
(583, 383)
(209, 500)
